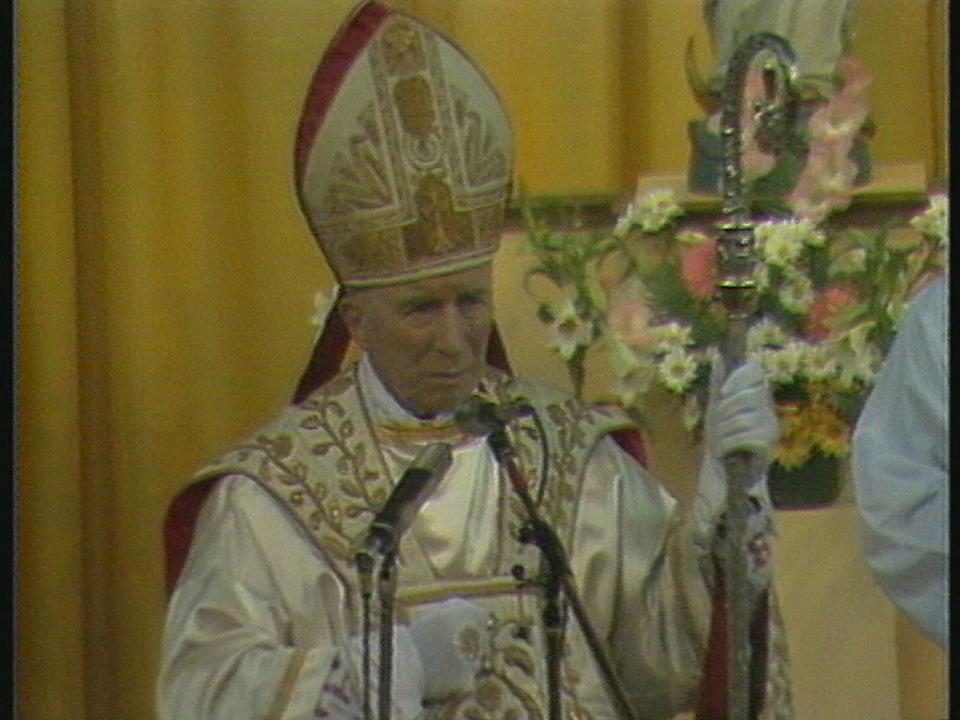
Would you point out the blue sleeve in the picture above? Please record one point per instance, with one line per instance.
(900, 466)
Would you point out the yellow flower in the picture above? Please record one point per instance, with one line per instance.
(651, 211)
(792, 453)
(793, 449)
(809, 426)
(934, 220)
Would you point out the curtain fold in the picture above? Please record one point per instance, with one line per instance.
(165, 277)
(49, 532)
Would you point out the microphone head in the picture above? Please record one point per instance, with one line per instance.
(477, 416)
(416, 484)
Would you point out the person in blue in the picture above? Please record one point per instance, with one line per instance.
(901, 470)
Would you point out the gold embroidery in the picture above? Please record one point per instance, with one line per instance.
(431, 592)
(507, 682)
(484, 160)
(488, 222)
(422, 177)
(448, 433)
(359, 179)
(439, 228)
(373, 252)
(402, 50)
(414, 100)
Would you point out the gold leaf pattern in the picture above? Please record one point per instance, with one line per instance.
(488, 694)
(333, 493)
(402, 49)
(484, 159)
(517, 656)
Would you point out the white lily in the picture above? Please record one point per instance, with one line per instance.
(569, 331)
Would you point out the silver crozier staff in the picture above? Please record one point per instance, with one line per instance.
(737, 292)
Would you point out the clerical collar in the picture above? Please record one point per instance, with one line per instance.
(385, 409)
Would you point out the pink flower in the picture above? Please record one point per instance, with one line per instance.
(826, 306)
(839, 119)
(826, 182)
(855, 76)
(698, 268)
(629, 319)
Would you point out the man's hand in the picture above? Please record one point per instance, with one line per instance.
(740, 413)
(740, 417)
(436, 634)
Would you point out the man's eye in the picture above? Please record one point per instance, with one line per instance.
(472, 301)
(424, 307)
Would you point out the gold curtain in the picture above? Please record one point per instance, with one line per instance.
(165, 276)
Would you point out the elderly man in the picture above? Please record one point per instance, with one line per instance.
(403, 165)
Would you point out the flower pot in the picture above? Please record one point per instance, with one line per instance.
(816, 483)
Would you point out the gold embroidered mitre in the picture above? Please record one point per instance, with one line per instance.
(404, 153)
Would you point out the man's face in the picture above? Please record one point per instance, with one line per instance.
(426, 339)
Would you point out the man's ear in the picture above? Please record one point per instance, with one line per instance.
(352, 313)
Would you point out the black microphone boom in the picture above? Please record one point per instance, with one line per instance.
(416, 484)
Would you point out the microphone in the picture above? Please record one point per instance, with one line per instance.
(476, 416)
(416, 484)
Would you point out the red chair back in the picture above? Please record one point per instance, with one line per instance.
(178, 525)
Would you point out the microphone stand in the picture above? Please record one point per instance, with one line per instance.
(555, 577)
(550, 580)
(365, 562)
(387, 587)
(386, 593)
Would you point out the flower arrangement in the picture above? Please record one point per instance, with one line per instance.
(828, 301)
(811, 156)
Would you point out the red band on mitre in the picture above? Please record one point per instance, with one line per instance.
(337, 60)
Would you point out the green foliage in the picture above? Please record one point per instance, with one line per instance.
(627, 291)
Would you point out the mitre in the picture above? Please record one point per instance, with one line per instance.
(404, 153)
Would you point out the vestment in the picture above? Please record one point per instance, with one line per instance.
(900, 465)
(266, 602)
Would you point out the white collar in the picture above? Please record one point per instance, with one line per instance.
(383, 405)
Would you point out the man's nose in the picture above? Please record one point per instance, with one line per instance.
(451, 332)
